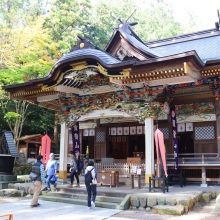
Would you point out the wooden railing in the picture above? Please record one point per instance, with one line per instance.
(195, 158)
(123, 168)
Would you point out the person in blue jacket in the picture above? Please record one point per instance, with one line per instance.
(51, 170)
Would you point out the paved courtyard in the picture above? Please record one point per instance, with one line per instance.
(20, 207)
(53, 211)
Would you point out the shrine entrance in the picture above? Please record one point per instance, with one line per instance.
(185, 143)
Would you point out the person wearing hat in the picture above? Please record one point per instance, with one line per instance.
(51, 170)
(91, 186)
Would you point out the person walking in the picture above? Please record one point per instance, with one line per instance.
(51, 170)
(91, 183)
(38, 169)
(73, 170)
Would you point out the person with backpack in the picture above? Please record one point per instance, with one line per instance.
(91, 183)
(73, 170)
(38, 169)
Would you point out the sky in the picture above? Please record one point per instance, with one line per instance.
(204, 10)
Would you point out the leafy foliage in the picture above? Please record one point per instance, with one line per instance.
(66, 20)
(96, 22)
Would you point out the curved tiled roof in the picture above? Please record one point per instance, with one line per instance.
(135, 41)
(207, 48)
(88, 52)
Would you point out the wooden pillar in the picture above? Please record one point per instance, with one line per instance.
(64, 137)
(149, 149)
(217, 102)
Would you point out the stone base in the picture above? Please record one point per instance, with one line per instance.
(6, 179)
(216, 210)
(168, 210)
(204, 185)
(62, 181)
(146, 186)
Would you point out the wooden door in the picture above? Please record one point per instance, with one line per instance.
(205, 137)
(100, 143)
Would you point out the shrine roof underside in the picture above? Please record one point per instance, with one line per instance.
(129, 74)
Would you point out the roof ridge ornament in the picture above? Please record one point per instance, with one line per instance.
(125, 23)
(83, 43)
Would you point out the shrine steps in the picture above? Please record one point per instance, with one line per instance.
(80, 198)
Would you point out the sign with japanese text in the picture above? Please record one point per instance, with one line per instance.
(126, 130)
(139, 130)
(133, 130)
(175, 138)
(113, 131)
(91, 132)
(189, 126)
(119, 130)
(75, 137)
(86, 132)
(181, 127)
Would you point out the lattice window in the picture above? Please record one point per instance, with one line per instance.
(165, 133)
(204, 133)
(70, 138)
(100, 136)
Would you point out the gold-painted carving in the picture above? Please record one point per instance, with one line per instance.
(81, 45)
(102, 70)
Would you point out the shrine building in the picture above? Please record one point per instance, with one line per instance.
(120, 94)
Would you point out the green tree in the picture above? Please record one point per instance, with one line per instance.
(155, 20)
(66, 20)
(96, 21)
(26, 52)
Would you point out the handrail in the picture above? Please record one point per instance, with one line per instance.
(195, 154)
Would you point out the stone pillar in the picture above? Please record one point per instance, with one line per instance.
(149, 149)
(63, 152)
(204, 178)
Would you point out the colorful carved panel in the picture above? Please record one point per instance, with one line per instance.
(195, 109)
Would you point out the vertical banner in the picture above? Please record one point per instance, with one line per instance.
(45, 148)
(175, 139)
(75, 137)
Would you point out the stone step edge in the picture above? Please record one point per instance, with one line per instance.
(72, 195)
(169, 210)
(79, 202)
(12, 181)
(99, 192)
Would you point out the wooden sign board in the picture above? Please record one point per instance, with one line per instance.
(134, 160)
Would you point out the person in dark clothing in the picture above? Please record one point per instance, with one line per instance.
(91, 188)
(38, 168)
(73, 170)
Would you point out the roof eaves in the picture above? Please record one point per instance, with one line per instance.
(111, 39)
(172, 57)
(61, 63)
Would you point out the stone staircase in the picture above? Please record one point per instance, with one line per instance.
(109, 200)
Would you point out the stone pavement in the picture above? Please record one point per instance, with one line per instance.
(21, 210)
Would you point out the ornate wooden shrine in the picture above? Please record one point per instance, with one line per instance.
(131, 80)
